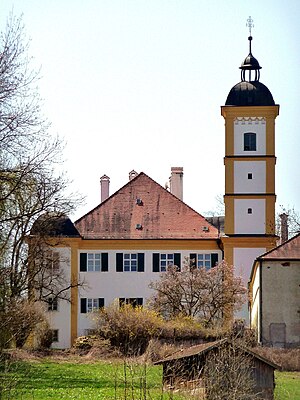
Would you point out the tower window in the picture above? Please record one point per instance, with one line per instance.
(249, 210)
(249, 141)
(249, 176)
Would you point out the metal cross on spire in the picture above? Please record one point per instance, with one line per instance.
(250, 24)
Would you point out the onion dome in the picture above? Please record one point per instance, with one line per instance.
(250, 92)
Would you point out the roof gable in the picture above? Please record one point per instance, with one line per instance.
(287, 250)
(157, 214)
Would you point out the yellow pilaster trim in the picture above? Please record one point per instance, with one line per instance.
(74, 292)
(229, 215)
(229, 176)
(228, 253)
(270, 135)
(270, 215)
(270, 175)
(229, 136)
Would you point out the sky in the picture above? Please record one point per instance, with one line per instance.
(138, 84)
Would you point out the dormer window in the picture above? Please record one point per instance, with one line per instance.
(249, 141)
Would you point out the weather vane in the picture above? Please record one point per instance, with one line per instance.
(250, 24)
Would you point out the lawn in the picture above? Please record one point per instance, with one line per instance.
(287, 385)
(103, 380)
(88, 381)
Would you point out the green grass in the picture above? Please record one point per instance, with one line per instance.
(100, 380)
(103, 380)
(287, 385)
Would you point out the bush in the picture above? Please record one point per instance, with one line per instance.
(18, 321)
(182, 327)
(287, 359)
(129, 328)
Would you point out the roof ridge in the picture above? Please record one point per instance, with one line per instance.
(279, 246)
(158, 184)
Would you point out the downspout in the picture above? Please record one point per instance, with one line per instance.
(260, 301)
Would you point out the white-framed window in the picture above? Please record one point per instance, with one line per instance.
(165, 260)
(52, 260)
(161, 261)
(134, 301)
(93, 262)
(130, 261)
(53, 304)
(88, 305)
(249, 141)
(204, 260)
(55, 336)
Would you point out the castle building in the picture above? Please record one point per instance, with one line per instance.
(125, 242)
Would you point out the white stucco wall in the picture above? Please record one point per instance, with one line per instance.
(243, 259)
(281, 299)
(112, 285)
(61, 319)
(241, 182)
(255, 125)
(253, 223)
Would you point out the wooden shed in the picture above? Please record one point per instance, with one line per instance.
(221, 365)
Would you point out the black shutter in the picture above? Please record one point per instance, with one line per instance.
(141, 262)
(104, 262)
(155, 265)
(121, 301)
(83, 306)
(83, 262)
(193, 260)
(214, 259)
(119, 262)
(177, 260)
(139, 301)
(100, 302)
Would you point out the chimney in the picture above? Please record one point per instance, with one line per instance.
(132, 174)
(176, 182)
(284, 227)
(104, 186)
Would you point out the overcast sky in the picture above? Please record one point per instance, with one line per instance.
(138, 84)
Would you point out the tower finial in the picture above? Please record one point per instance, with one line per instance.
(250, 24)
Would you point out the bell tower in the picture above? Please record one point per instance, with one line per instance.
(249, 114)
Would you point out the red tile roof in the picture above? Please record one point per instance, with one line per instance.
(159, 215)
(288, 250)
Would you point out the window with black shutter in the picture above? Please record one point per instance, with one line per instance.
(119, 262)
(83, 262)
(141, 262)
(89, 305)
(93, 262)
(155, 262)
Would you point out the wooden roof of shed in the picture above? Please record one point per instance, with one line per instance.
(204, 348)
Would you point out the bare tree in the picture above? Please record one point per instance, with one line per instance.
(30, 188)
(209, 295)
(229, 374)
